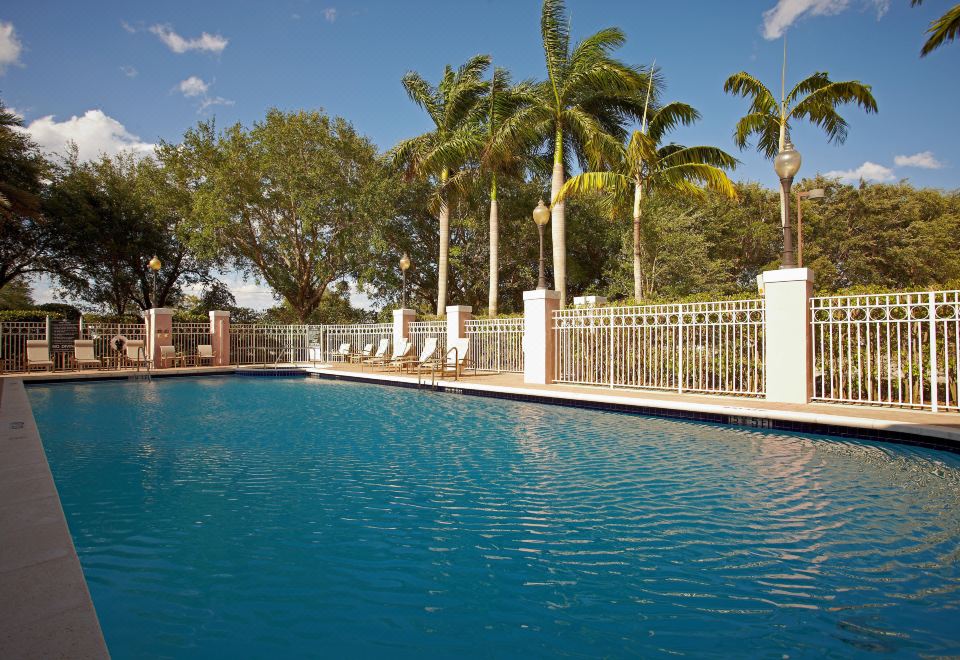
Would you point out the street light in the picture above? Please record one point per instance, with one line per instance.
(816, 193)
(155, 265)
(786, 165)
(404, 265)
(541, 216)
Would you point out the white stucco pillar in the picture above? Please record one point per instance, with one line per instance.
(538, 345)
(159, 329)
(220, 337)
(788, 351)
(457, 317)
(401, 322)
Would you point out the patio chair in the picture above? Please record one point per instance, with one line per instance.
(83, 355)
(366, 352)
(400, 350)
(379, 356)
(343, 352)
(454, 363)
(168, 354)
(137, 354)
(38, 355)
(408, 363)
(204, 354)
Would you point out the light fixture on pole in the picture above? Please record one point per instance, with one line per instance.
(786, 165)
(155, 265)
(816, 193)
(541, 216)
(404, 265)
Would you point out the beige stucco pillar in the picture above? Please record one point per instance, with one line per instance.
(159, 331)
(401, 324)
(788, 350)
(538, 345)
(457, 317)
(220, 337)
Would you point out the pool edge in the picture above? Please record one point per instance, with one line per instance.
(45, 604)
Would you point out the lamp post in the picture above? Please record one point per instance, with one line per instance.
(541, 216)
(155, 265)
(816, 193)
(404, 265)
(786, 165)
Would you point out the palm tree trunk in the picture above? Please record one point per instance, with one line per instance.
(494, 249)
(558, 231)
(444, 249)
(637, 265)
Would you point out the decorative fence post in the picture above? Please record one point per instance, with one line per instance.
(402, 318)
(457, 317)
(220, 337)
(159, 331)
(789, 358)
(538, 345)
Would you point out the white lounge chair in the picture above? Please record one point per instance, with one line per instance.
(137, 354)
(400, 350)
(168, 354)
(205, 354)
(379, 355)
(38, 355)
(83, 355)
(453, 364)
(429, 350)
(343, 352)
(364, 353)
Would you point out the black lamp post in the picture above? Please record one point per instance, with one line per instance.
(155, 265)
(404, 265)
(541, 216)
(786, 165)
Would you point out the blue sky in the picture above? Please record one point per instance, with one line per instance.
(120, 74)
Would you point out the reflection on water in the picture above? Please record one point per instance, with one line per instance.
(256, 517)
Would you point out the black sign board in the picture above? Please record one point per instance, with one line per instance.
(62, 334)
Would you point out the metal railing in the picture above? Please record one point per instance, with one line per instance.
(419, 331)
(185, 337)
(897, 349)
(496, 344)
(103, 335)
(258, 344)
(357, 335)
(713, 347)
(13, 342)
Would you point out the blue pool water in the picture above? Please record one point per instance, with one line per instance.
(239, 517)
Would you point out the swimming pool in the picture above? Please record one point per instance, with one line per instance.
(235, 517)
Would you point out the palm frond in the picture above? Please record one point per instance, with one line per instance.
(556, 43)
(423, 94)
(745, 85)
(706, 176)
(808, 85)
(820, 107)
(942, 30)
(680, 155)
(765, 126)
(668, 117)
(596, 182)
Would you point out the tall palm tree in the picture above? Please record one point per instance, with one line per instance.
(453, 106)
(646, 166)
(582, 109)
(815, 98)
(944, 29)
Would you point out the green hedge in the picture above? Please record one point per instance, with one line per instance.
(26, 315)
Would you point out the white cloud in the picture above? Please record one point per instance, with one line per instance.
(923, 160)
(193, 86)
(129, 28)
(94, 133)
(785, 13)
(129, 71)
(213, 100)
(330, 13)
(213, 43)
(868, 172)
(10, 46)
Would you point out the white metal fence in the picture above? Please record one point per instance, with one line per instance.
(269, 344)
(185, 337)
(715, 347)
(13, 342)
(899, 349)
(496, 344)
(419, 331)
(103, 335)
(358, 335)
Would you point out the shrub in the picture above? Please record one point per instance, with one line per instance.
(26, 315)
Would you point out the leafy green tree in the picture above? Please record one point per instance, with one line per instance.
(582, 109)
(455, 109)
(108, 218)
(293, 200)
(16, 294)
(646, 166)
(25, 235)
(941, 30)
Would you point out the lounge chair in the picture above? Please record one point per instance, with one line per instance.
(83, 355)
(38, 355)
(136, 354)
(344, 351)
(429, 350)
(204, 354)
(379, 356)
(168, 354)
(366, 352)
(400, 350)
(453, 364)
